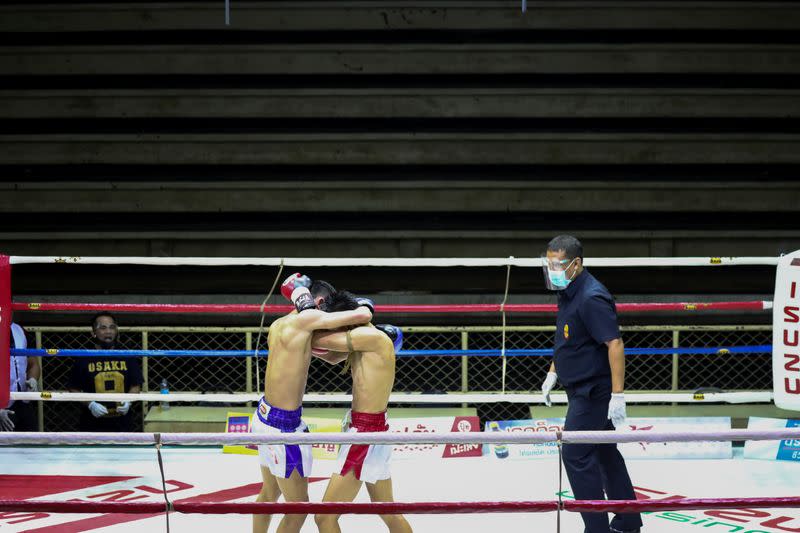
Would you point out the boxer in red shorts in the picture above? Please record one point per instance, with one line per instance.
(370, 354)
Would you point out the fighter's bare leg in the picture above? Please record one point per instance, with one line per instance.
(340, 489)
(270, 492)
(294, 489)
(381, 491)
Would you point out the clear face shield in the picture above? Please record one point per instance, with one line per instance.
(556, 277)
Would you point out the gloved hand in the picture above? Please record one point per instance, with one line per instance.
(98, 409)
(346, 420)
(33, 385)
(5, 420)
(394, 333)
(366, 302)
(123, 408)
(295, 289)
(616, 409)
(547, 386)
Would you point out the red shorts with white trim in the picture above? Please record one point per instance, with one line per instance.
(369, 462)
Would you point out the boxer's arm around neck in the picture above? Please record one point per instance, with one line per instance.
(316, 319)
(363, 339)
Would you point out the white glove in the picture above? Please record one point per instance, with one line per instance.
(547, 386)
(98, 409)
(33, 385)
(346, 420)
(616, 410)
(123, 408)
(5, 422)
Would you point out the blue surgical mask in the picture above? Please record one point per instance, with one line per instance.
(558, 278)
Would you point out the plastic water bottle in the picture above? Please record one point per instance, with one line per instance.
(164, 390)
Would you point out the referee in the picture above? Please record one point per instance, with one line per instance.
(589, 360)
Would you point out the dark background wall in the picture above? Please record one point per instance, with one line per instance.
(402, 129)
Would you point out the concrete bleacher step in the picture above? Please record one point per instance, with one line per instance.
(431, 103)
(360, 59)
(402, 148)
(403, 15)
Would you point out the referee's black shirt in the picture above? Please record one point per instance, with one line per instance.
(587, 319)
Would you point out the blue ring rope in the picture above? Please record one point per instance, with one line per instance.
(722, 350)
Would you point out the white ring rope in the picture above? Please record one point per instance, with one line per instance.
(488, 437)
(393, 262)
(397, 398)
(503, 331)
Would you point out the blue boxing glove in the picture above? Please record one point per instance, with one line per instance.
(394, 333)
(366, 302)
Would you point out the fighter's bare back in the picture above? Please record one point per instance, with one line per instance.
(287, 365)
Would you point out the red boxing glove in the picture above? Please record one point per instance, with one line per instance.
(295, 289)
(293, 282)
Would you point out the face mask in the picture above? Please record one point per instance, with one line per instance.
(558, 278)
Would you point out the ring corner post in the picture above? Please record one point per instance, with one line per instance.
(5, 329)
(786, 333)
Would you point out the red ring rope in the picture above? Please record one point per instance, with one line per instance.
(616, 506)
(392, 308)
(280, 508)
(677, 504)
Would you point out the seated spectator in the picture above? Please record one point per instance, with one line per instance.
(106, 374)
(25, 375)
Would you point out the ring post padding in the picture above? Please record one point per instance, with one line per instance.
(786, 333)
(5, 330)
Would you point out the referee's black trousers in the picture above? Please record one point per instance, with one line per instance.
(596, 470)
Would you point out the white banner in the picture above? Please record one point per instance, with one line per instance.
(436, 424)
(631, 450)
(677, 450)
(786, 333)
(781, 450)
(524, 451)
